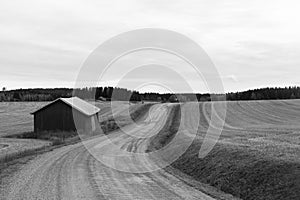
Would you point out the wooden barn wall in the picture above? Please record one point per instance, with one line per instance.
(58, 116)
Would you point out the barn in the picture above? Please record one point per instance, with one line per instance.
(67, 114)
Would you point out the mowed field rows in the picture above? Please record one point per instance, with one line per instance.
(15, 116)
(264, 114)
(272, 127)
(257, 155)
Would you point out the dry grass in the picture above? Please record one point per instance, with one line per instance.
(242, 172)
(166, 134)
(56, 137)
(45, 141)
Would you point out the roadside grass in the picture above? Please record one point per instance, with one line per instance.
(242, 172)
(56, 137)
(140, 112)
(250, 163)
(15, 155)
(169, 130)
(112, 124)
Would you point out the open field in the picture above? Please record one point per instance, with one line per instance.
(15, 116)
(257, 155)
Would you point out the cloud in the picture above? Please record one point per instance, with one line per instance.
(232, 78)
(49, 40)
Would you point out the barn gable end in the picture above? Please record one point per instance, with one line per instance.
(60, 115)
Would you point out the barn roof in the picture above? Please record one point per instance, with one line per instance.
(76, 103)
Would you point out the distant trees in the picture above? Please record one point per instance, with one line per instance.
(2, 94)
(266, 94)
(293, 96)
(122, 94)
(98, 92)
(16, 96)
(253, 96)
(35, 94)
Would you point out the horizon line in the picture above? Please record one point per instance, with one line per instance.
(245, 90)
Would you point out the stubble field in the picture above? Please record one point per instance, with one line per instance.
(257, 155)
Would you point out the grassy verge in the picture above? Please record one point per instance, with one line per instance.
(242, 172)
(56, 137)
(169, 130)
(140, 112)
(112, 124)
(234, 168)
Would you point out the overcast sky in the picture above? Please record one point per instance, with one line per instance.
(43, 43)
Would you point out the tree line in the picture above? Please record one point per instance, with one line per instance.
(122, 94)
(266, 94)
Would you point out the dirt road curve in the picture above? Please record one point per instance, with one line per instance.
(72, 172)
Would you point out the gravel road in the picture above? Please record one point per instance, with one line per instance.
(72, 172)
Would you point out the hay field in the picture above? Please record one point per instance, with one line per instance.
(257, 155)
(15, 116)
